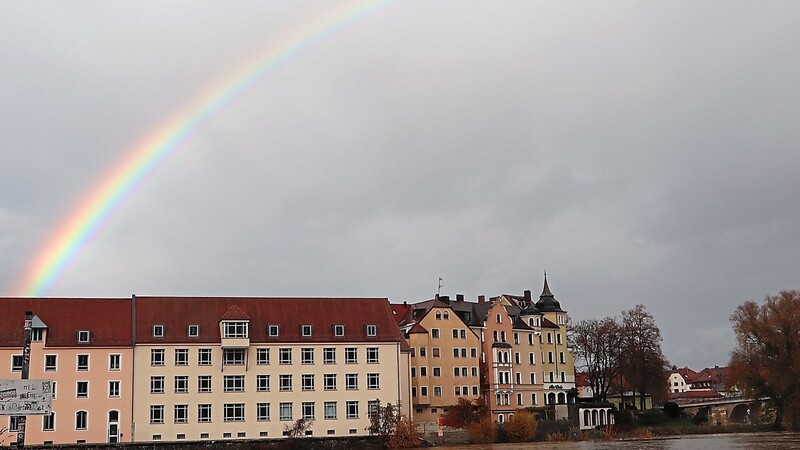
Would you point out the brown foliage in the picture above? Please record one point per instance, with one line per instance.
(766, 361)
(405, 434)
(521, 426)
(465, 412)
(644, 364)
(482, 432)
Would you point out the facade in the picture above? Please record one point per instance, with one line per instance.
(524, 360)
(679, 379)
(444, 362)
(85, 346)
(195, 368)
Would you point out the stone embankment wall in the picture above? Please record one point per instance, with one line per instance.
(355, 443)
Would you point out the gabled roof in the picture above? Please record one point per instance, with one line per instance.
(401, 313)
(177, 313)
(548, 324)
(107, 319)
(417, 328)
(234, 313)
(685, 372)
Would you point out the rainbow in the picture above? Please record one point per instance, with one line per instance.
(146, 156)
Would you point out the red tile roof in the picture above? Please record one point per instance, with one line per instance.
(177, 313)
(107, 319)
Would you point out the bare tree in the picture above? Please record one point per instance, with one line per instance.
(766, 361)
(644, 364)
(598, 350)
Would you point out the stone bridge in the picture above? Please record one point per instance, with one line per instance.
(728, 410)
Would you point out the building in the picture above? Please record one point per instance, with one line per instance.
(679, 379)
(85, 347)
(444, 361)
(195, 368)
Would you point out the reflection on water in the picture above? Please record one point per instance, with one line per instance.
(744, 441)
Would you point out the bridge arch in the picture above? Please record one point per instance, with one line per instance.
(740, 414)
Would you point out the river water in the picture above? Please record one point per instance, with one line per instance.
(743, 441)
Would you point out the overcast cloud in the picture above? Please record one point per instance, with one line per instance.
(640, 152)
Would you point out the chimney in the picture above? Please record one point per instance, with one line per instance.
(405, 303)
(481, 299)
(528, 295)
(459, 297)
(445, 299)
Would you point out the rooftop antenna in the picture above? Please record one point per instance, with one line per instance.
(439, 291)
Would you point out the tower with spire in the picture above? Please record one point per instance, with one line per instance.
(558, 367)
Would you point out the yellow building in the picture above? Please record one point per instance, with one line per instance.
(444, 362)
(228, 368)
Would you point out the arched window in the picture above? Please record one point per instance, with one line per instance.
(530, 321)
(586, 417)
(602, 417)
(500, 418)
(81, 420)
(551, 398)
(594, 417)
(562, 398)
(446, 315)
(498, 318)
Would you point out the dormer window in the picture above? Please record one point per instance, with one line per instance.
(158, 331)
(438, 315)
(446, 315)
(305, 330)
(372, 330)
(234, 330)
(194, 331)
(37, 334)
(338, 330)
(273, 330)
(83, 336)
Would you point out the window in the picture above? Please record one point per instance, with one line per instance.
(516, 358)
(234, 330)
(498, 319)
(157, 385)
(435, 333)
(351, 381)
(286, 411)
(204, 412)
(423, 371)
(372, 355)
(308, 410)
(81, 420)
(204, 383)
(50, 363)
(373, 381)
(83, 336)
(307, 355)
(13, 423)
(455, 333)
(113, 389)
(437, 391)
(330, 410)
(438, 315)
(455, 353)
(82, 389)
(53, 388)
(158, 331)
(372, 407)
(262, 412)
(157, 357)
(181, 384)
(233, 357)
(463, 334)
(437, 371)
(456, 371)
(233, 412)
(285, 382)
(516, 337)
(533, 377)
(204, 356)
(305, 330)
(193, 331)
(285, 356)
(181, 413)
(350, 355)
(329, 381)
(262, 383)
(114, 362)
(273, 330)
(473, 352)
(329, 355)
(181, 356)
(558, 338)
(372, 330)
(338, 330)
(352, 409)
(234, 383)
(156, 413)
(457, 391)
(561, 357)
(422, 352)
(308, 382)
(423, 391)
(435, 352)
(49, 422)
(83, 363)
(262, 356)
(37, 334)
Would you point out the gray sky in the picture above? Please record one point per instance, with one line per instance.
(640, 152)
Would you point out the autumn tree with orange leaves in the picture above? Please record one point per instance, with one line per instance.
(766, 361)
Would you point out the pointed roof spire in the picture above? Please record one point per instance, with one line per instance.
(546, 291)
(547, 301)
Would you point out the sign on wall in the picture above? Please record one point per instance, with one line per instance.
(25, 397)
